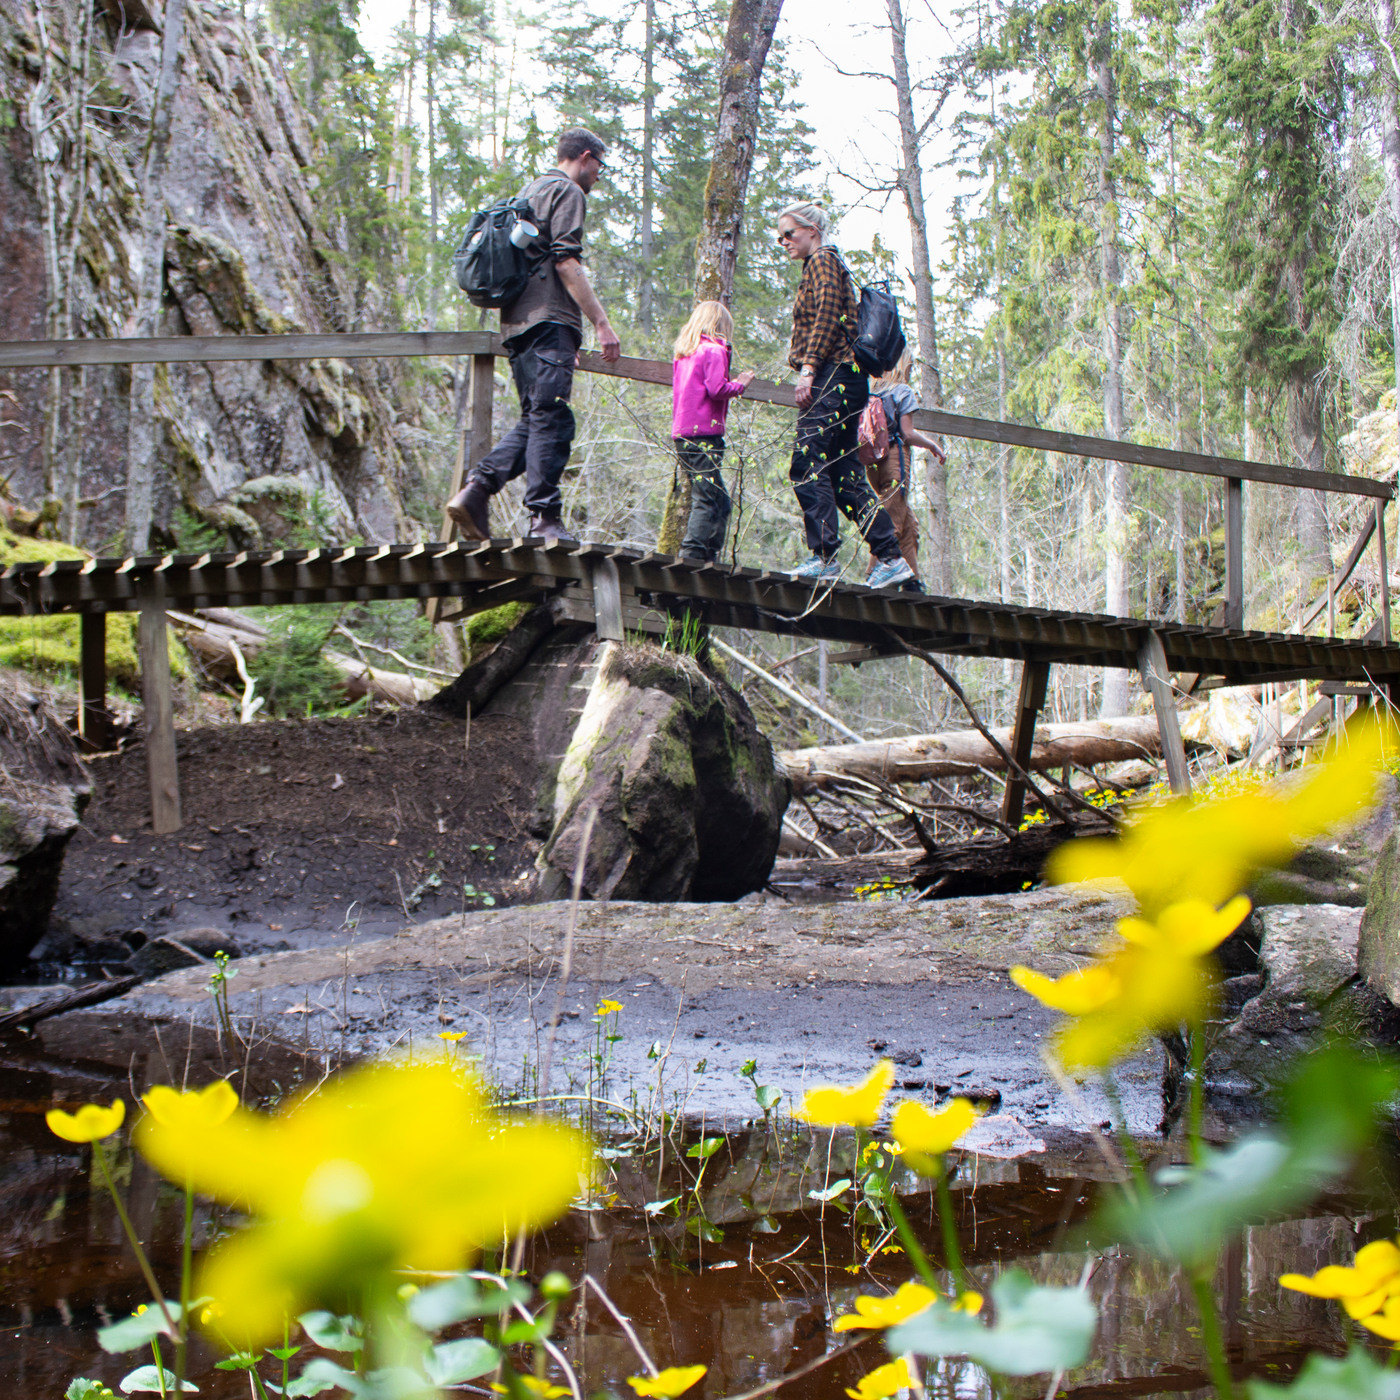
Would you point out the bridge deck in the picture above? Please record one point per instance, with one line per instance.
(592, 580)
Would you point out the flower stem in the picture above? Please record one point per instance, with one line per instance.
(186, 1268)
(100, 1157)
(952, 1252)
(1196, 1112)
(912, 1247)
(1211, 1337)
(1125, 1140)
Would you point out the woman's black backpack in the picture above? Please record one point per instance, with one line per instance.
(879, 340)
(490, 269)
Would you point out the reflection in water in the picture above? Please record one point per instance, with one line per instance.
(751, 1288)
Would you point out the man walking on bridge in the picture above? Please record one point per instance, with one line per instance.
(543, 329)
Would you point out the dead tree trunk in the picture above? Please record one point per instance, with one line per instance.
(645, 290)
(1390, 153)
(1116, 522)
(938, 570)
(141, 435)
(925, 756)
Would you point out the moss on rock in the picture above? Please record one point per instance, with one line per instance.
(487, 628)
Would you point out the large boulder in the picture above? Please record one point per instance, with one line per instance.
(1378, 954)
(682, 790)
(43, 790)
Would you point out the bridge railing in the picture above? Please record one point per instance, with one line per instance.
(483, 347)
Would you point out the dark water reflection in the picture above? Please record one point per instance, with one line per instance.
(752, 1305)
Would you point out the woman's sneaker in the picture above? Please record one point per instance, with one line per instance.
(817, 568)
(891, 572)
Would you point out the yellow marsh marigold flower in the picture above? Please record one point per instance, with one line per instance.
(857, 1107)
(607, 1006)
(191, 1109)
(883, 1382)
(394, 1166)
(533, 1385)
(1211, 850)
(1371, 1282)
(1385, 1323)
(673, 1381)
(1156, 981)
(907, 1301)
(90, 1123)
(451, 1036)
(924, 1137)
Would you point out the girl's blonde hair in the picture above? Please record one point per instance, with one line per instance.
(898, 375)
(709, 318)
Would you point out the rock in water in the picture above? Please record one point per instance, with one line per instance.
(43, 790)
(688, 796)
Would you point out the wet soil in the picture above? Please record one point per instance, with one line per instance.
(753, 1294)
(299, 832)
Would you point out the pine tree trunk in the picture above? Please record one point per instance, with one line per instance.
(141, 437)
(646, 232)
(938, 566)
(1390, 153)
(1115, 681)
(430, 92)
(746, 44)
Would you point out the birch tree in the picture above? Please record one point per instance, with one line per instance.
(141, 434)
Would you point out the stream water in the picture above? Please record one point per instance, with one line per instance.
(751, 1291)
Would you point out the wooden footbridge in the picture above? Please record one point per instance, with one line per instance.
(617, 590)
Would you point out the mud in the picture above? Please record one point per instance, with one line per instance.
(302, 832)
(815, 994)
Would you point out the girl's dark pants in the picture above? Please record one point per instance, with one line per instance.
(826, 474)
(709, 501)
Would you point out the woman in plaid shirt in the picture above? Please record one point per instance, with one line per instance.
(832, 392)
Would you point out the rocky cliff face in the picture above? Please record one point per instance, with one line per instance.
(253, 449)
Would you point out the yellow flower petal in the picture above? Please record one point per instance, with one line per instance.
(883, 1382)
(193, 1108)
(857, 1107)
(673, 1381)
(872, 1313)
(969, 1303)
(607, 1006)
(89, 1124)
(452, 1036)
(932, 1134)
(1076, 993)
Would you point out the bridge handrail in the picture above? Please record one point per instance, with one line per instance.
(186, 349)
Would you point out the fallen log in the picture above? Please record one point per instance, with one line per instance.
(90, 994)
(923, 756)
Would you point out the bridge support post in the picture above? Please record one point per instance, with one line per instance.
(153, 648)
(472, 449)
(1152, 663)
(1234, 552)
(1384, 570)
(607, 599)
(94, 722)
(1035, 676)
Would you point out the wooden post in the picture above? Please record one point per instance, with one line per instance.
(153, 648)
(1234, 552)
(1152, 663)
(1035, 676)
(94, 723)
(1385, 571)
(471, 449)
(607, 599)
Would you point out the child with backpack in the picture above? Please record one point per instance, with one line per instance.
(700, 395)
(884, 440)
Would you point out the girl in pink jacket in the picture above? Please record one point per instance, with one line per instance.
(700, 399)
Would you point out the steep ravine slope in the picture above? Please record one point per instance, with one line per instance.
(244, 446)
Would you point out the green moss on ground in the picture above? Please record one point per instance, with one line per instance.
(51, 645)
(487, 628)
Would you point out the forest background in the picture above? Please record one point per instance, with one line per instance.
(1167, 222)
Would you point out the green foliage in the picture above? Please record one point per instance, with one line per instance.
(51, 646)
(292, 675)
(1358, 1376)
(485, 629)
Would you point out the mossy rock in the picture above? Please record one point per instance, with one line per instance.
(25, 549)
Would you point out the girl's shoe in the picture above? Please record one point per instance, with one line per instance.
(818, 568)
(891, 572)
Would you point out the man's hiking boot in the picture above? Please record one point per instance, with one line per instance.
(889, 573)
(550, 529)
(470, 511)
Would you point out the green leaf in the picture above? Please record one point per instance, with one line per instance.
(84, 1389)
(705, 1148)
(1037, 1329)
(1358, 1377)
(139, 1329)
(749, 1070)
(837, 1188)
(460, 1298)
(283, 1353)
(332, 1332)
(322, 1373)
(521, 1331)
(656, 1207)
(239, 1361)
(151, 1378)
(701, 1228)
(450, 1363)
(767, 1096)
(765, 1225)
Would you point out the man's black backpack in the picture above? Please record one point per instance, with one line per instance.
(490, 268)
(879, 340)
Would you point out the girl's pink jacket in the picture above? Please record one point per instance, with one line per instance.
(701, 391)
